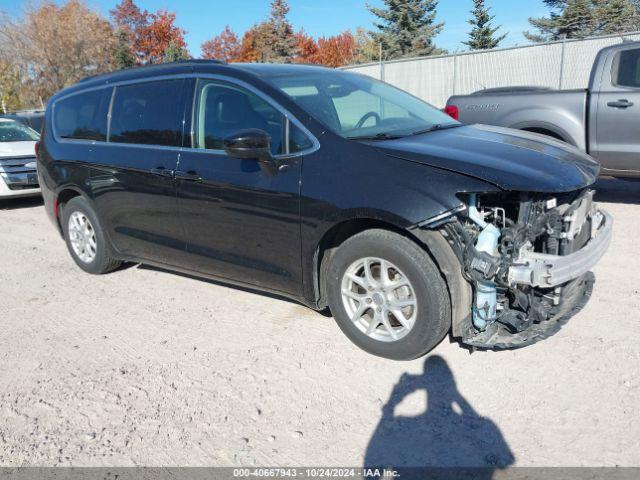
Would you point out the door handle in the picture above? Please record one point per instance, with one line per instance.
(190, 175)
(162, 172)
(622, 103)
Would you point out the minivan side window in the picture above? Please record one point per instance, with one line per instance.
(626, 68)
(222, 110)
(83, 116)
(149, 113)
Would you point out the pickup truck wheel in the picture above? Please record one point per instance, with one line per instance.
(388, 296)
(85, 238)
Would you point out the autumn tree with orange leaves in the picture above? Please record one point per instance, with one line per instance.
(151, 35)
(335, 51)
(225, 47)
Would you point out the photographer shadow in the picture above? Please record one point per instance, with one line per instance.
(449, 436)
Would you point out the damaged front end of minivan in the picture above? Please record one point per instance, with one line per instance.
(527, 258)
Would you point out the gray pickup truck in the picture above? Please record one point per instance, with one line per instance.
(603, 120)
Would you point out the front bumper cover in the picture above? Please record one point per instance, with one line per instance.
(548, 271)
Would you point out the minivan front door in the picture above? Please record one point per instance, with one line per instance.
(617, 114)
(241, 222)
(133, 179)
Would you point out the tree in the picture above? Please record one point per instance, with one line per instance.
(124, 57)
(482, 35)
(282, 41)
(175, 53)
(617, 16)
(127, 16)
(150, 34)
(335, 51)
(154, 38)
(9, 88)
(54, 46)
(406, 28)
(225, 47)
(254, 46)
(578, 20)
(366, 48)
(583, 18)
(306, 47)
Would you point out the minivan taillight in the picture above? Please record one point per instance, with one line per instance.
(37, 148)
(452, 111)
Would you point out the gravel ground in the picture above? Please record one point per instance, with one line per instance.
(145, 367)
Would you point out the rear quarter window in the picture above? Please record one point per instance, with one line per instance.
(83, 116)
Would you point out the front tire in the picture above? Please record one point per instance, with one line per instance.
(85, 238)
(388, 296)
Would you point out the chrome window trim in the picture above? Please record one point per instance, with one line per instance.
(110, 112)
(223, 78)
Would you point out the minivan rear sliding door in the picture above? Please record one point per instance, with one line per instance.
(133, 182)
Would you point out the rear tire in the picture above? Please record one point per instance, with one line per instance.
(401, 309)
(85, 238)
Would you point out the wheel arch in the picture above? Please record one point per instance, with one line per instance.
(64, 196)
(566, 135)
(431, 241)
(544, 131)
(336, 236)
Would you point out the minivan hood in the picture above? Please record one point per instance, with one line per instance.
(509, 159)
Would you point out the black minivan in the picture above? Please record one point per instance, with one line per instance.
(331, 188)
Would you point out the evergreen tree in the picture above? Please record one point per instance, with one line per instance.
(568, 19)
(174, 53)
(282, 45)
(583, 18)
(482, 35)
(617, 16)
(123, 55)
(578, 20)
(407, 28)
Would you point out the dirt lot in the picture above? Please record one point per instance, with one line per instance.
(144, 367)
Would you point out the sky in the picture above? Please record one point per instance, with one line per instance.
(204, 19)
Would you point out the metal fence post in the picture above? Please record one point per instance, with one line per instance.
(455, 73)
(381, 63)
(564, 44)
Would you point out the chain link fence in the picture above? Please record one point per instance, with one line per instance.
(564, 65)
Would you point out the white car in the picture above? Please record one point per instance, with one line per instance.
(18, 175)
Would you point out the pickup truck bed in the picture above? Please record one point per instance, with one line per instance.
(557, 113)
(602, 120)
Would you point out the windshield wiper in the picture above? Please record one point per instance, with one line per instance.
(436, 127)
(377, 136)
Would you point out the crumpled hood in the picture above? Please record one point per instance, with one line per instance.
(17, 149)
(509, 159)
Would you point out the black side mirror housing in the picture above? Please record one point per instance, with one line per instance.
(252, 144)
(248, 144)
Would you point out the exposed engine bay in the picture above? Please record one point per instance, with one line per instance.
(528, 259)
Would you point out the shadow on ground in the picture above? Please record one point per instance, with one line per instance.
(615, 190)
(20, 202)
(212, 281)
(449, 433)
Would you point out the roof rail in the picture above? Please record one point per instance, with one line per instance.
(197, 61)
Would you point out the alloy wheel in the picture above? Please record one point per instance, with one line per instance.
(379, 299)
(82, 237)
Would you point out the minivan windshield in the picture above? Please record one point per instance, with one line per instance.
(11, 131)
(359, 107)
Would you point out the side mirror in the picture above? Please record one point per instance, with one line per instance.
(252, 144)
